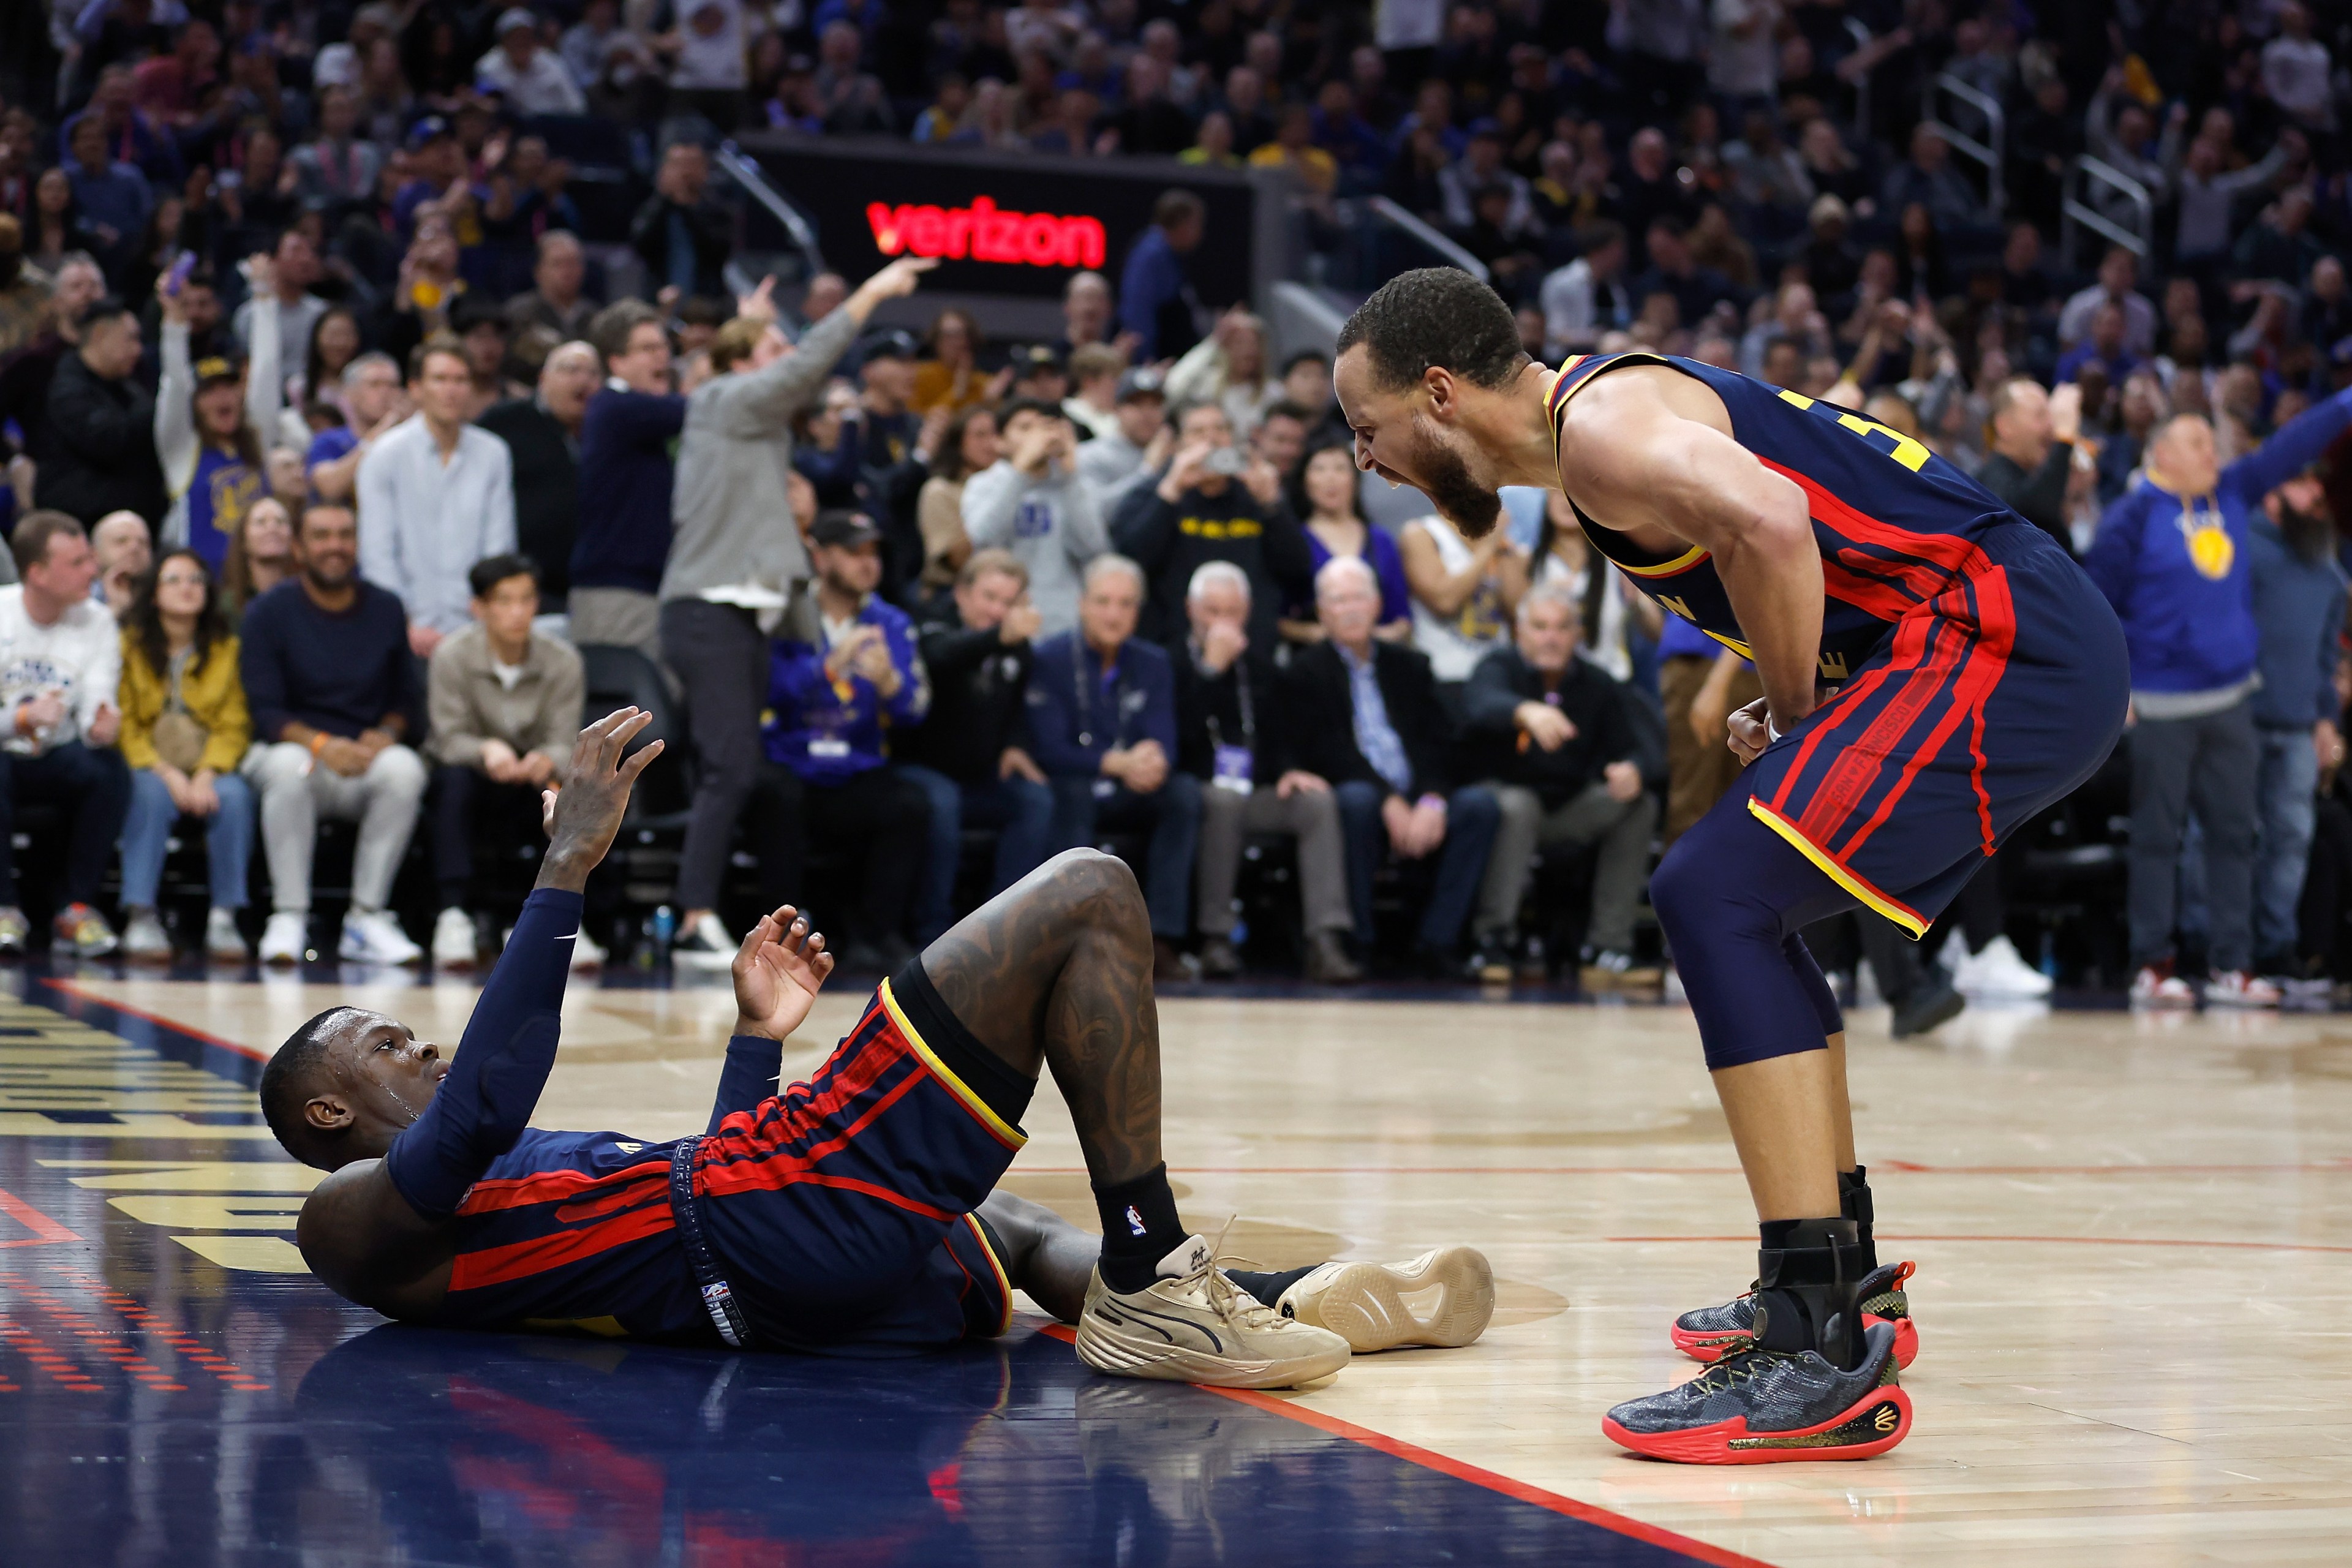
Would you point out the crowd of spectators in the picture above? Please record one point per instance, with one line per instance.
(333, 440)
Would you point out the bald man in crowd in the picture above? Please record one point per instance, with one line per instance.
(542, 431)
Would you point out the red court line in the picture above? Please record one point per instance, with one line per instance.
(1898, 1167)
(1522, 1491)
(47, 1232)
(71, 989)
(2054, 1240)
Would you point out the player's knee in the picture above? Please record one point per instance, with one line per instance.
(1684, 892)
(1097, 890)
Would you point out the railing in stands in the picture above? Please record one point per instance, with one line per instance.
(1987, 153)
(746, 175)
(1420, 234)
(2075, 211)
(1861, 36)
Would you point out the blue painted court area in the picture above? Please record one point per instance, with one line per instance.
(173, 1391)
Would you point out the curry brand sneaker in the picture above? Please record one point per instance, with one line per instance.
(1710, 1333)
(1442, 1298)
(1192, 1325)
(1756, 1407)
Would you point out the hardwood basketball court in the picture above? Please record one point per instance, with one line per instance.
(2130, 1243)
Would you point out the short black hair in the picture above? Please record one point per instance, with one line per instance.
(286, 1081)
(1306, 356)
(105, 309)
(1285, 409)
(1038, 406)
(1174, 207)
(1437, 316)
(492, 570)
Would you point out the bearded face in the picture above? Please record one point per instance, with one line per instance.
(1444, 476)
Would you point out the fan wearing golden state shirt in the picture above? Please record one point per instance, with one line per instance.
(1935, 670)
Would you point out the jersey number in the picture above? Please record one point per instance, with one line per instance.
(1908, 452)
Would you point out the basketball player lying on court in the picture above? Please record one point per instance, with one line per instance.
(851, 1215)
(1935, 670)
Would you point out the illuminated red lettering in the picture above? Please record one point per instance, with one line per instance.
(986, 233)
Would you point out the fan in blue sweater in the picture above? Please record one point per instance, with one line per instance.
(2173, 556)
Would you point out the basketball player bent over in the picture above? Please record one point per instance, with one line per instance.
(851, 1215)
(1935, 670)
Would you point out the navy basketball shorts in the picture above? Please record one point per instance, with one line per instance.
(840, 1210)
(1980, 708)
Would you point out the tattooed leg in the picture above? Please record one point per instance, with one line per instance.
(1057, 970)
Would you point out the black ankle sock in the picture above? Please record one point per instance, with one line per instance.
(1854, 1201)
(1268, 1287)
(1139, 1228)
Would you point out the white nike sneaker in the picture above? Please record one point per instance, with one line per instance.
(1193, 1325)
(453, 940)
(1997, 972)
(286, 936)
(705, 944)
(221, 939)
(373, 936)
(1442, 1298)
(585, 954)
(144, 939)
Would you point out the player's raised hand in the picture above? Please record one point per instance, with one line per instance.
(596, 795)
(778, 972)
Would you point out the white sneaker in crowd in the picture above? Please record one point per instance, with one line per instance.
(2159, 987)
(373, 936)
(285, 938)
(221, 939)
(1997, 971)
(585, 954)
(453, 940)
(705, 944)
(2236, 988)
(143, 940)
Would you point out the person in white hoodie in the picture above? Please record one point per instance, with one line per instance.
(1032, 502)
(60, 666)
(212, 421)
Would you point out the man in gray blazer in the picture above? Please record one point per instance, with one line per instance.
(736, 565)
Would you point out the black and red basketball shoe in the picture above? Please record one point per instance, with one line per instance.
(1710, 1333)
(1757, 1406)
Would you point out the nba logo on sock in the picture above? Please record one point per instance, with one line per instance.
(1134, 1220)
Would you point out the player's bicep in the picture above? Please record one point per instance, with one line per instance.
(1641, 465)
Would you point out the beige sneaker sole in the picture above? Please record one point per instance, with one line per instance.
(1443, 1299)
(1105, 1348)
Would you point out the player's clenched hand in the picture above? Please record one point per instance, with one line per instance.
(1748, 736)
(778, 972)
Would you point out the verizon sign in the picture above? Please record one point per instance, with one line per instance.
(1011, 223)
(985, 232)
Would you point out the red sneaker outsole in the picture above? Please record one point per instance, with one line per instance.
(1708, 1349)
(1712, 1445)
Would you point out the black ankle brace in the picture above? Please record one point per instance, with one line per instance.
(1808, 1296)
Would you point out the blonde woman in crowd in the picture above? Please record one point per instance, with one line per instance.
(969, 445)
(260, 554)
(1231, 368)
(1465, 594)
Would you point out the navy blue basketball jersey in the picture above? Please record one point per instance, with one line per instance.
(574, 1230)
(1896, 524)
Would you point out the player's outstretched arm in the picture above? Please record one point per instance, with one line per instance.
(778, 972)
(1634, 459)
(372, 1230)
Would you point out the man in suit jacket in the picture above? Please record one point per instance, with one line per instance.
(1364, 715)
(1102, 719)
